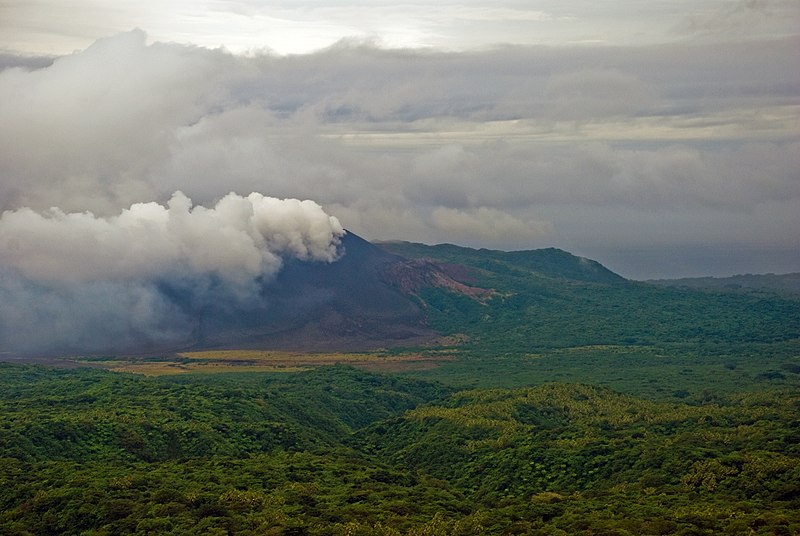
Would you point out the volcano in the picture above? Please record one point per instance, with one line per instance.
(373, 296)
(354, 303)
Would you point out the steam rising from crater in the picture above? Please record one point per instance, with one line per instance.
(76, 280)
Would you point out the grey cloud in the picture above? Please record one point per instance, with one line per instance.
(486, 224)
(585, 95)
(732, 178)
(87, 131)
(418, 145)
(27, 63)
(743, 17)
(88, 317)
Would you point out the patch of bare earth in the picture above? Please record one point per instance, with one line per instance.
(412, 275)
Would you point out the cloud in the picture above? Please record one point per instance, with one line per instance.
(237, 240)
(105, 316)
(742, 18)
(100, 120)
(593, 93)
(28, 63)
(79, 281)
(420, 144)
(485, 223)
(242, 26)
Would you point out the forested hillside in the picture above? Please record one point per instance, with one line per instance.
(558, 398)
(339, 451)
(783, 283)
(550, 299)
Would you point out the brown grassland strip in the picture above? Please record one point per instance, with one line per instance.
(221, 361)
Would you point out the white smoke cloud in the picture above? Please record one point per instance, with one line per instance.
(240, 238)
(85, 282)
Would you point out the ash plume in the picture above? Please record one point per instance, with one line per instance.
(80, 282)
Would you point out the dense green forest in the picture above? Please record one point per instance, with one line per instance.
(341, 451)
(784, 283)
(577, 403)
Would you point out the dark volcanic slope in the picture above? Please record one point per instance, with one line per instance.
(371, 296)
(349, 304)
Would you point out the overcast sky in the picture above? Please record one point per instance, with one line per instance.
(661, 138)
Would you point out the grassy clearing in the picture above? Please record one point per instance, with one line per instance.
(171, 368)
(275, 356)
(223, 361)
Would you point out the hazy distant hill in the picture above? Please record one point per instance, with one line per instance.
(779, 282)
(551, 299)
(550, 262)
